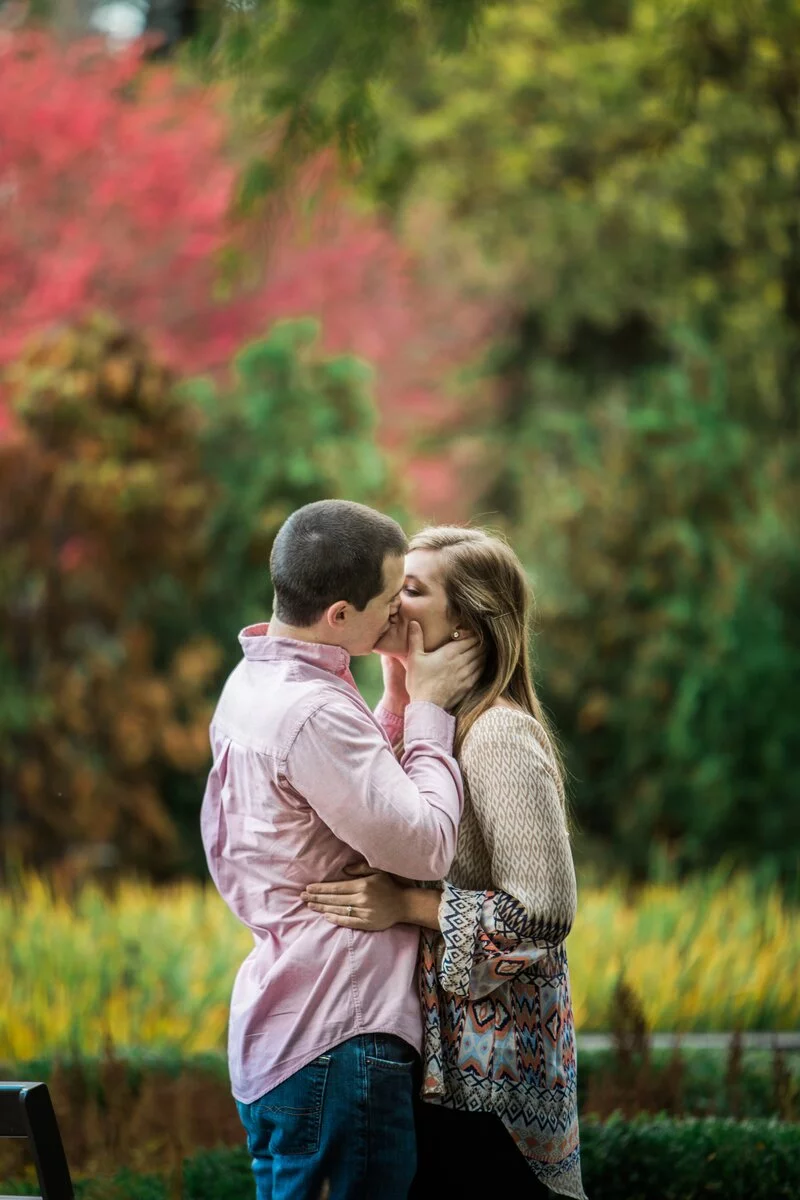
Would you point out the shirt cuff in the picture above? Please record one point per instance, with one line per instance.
(426, 722)
(390, 721)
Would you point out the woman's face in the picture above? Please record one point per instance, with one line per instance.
(423, 599)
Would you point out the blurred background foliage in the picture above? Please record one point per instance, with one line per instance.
(625, 175)
(564, 237)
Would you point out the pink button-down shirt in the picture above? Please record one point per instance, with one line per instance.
(304, 783)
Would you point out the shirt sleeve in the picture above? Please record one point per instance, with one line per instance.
(491, 936)
(403, 817)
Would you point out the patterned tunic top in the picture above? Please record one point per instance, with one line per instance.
(499, 1031)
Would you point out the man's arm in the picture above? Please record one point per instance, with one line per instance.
(401, 818)
(395, 699)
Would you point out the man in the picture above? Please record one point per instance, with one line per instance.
(325, 1021)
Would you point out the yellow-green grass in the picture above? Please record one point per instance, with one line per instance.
(153, 968)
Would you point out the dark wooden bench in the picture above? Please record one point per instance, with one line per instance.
(26, 1111)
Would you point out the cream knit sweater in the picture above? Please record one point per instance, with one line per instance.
(513, 835)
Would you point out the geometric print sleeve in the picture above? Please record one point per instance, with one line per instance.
(484, 941)
(516, 796)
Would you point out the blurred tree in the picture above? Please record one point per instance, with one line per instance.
(666, 568)
(613, 174)
(103, 514)
(315, 64)
(624, 168)
(296, 426)
(102, 209)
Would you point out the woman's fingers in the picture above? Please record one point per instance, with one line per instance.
(472, 660)
(335, 910)
(371, 900)
(338, 914)
(476, 673)
(331, 887)
(472, 666)
(332, 898)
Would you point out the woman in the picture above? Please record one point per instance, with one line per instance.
(499, 1044)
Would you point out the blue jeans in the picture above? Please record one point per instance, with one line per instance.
(345, 1120)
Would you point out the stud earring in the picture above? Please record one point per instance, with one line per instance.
(456, 634)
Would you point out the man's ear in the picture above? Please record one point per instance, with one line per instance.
(336, 615)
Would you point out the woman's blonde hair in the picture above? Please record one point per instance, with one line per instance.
(488, 592)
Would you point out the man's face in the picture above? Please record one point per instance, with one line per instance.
(369, 626)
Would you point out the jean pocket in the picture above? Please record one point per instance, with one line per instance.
(292, 1112)
(390, 1053)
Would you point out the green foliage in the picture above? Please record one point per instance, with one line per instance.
(625, 176)
(314, 65)
(625, 171)
(665, 568)
(659, 1159)
(295, 427)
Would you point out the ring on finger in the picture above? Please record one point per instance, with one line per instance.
(349, 910)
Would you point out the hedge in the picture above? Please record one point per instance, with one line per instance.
(655, 1158)
(649, 1158)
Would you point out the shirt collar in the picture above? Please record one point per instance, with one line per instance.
(258, 646)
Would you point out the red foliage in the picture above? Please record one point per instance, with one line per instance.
(115, 194)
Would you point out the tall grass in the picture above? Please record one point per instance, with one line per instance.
(153, 968)
(713, 954)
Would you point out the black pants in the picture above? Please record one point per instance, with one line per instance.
(469, 1155)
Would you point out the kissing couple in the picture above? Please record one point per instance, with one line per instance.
(403, 1025)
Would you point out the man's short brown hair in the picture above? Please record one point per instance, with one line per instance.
(328, 551)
